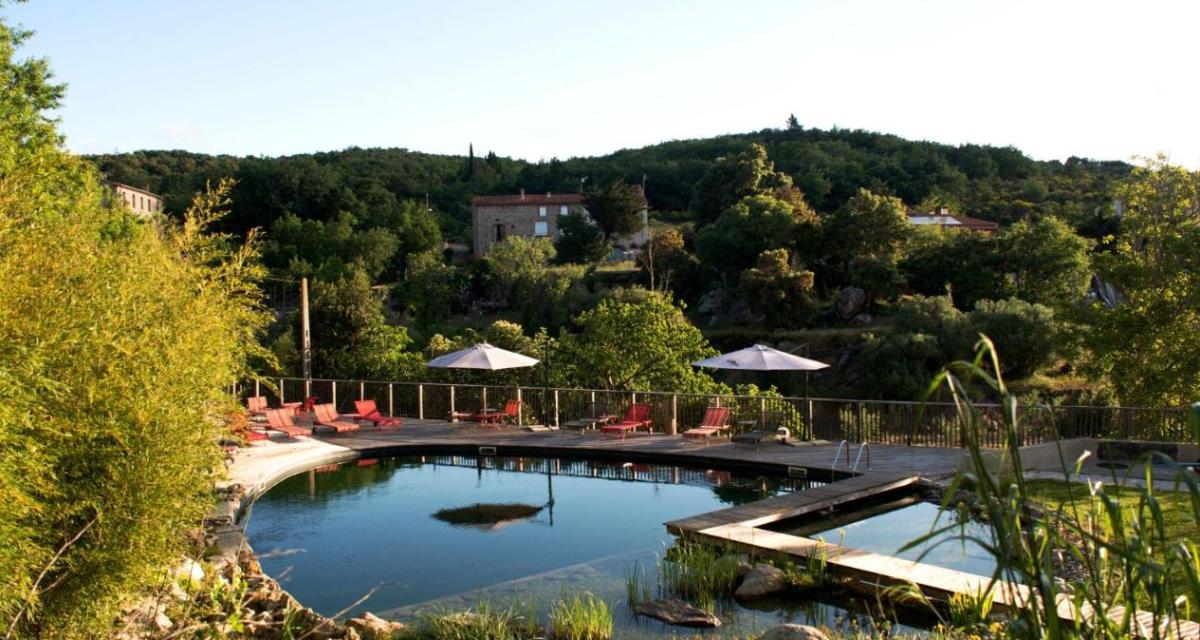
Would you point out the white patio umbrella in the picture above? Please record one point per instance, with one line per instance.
(483, 356)
(763, 358)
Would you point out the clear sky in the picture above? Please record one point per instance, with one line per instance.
(546, 79)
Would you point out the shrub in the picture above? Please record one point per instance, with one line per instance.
(1024, 332)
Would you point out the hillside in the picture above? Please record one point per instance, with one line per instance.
(993, 183)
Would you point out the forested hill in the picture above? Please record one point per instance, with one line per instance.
(994, 183)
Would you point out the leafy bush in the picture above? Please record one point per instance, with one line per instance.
(1023, 331)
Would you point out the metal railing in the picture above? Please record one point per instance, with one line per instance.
(875, 421)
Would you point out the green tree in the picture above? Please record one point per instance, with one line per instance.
(728, 180)
(642, 344)
(117, 347)
(581, 242)
(1047, 261)
(616, 208)
(351, 337)
(1147, 344)
(969, 266)
(755, 224)
(778, 291)
(867, 225)
(427, 290)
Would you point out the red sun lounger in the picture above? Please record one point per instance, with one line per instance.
(636, 417)
(281, 420)
(327, 417)
(368, 411)
(716, 420)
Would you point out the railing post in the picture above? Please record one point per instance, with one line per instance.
(333, 384)
(256, 391)
(556, 408)
(362, 391)
(483, 399)
(673, 428)
(281, 400)
(420, 402)
(307, 388)
(520, 407)
(450, 416)
(391, 401)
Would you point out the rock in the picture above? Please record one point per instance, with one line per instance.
(793, 632)
(744, 566)
(162, 622)
(678, 612)
(861, 320)
(189, 570)
(712, 303)
(849, 302)
(762, 580)
(371, 626)
(351, 634)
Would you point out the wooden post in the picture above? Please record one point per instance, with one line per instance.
(391, 401)
(420, 402)
(673, 427)
(451, 415)
(483, 400)
(556, 408)
(305, 336)
(281, 400)
(520, 407)
(256, 391)
(333, 385)
(362, 391)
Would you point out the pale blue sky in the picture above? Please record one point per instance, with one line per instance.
(546, 79)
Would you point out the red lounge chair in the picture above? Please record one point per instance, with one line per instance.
(368, 411)
(638, 416)
(327, 416)
(256, 405)
(281, 420)
(510, 413)
(716, 420)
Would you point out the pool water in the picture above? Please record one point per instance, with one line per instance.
(888, 532)
(332, 535)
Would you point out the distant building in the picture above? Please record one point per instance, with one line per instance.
(943, 218)
(139, 201)
(494, 218)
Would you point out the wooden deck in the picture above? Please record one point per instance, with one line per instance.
(790, 505)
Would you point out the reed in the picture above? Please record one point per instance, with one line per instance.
(1130, 561)
(582, 616)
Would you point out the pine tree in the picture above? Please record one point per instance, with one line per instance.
(792, 123)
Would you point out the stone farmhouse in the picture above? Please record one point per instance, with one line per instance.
(494, 218)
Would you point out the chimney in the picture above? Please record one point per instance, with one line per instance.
(522, 194)
(547, 194)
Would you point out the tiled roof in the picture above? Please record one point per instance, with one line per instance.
(527, 198)
(946, 219)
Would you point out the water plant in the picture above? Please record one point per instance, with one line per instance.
(637, 587)
(697, 571)
(483, 622)
(1130, 561)
(581, 616)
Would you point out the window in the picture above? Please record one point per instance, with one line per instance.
(541, 212)
(499, 233)
(541, 228)
(563, 210)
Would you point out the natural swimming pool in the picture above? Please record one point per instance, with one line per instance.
(334, 534)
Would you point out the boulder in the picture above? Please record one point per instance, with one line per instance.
(189, 571)
(371, 626)
(850, 301)
(861, 320)
(762, 580)
(679, 613)
(793, 632)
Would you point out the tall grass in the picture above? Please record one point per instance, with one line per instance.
(484, 622)
(582, 616)
(698, 572)
(1123, 546)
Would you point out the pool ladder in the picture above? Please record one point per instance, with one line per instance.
(864, 447)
